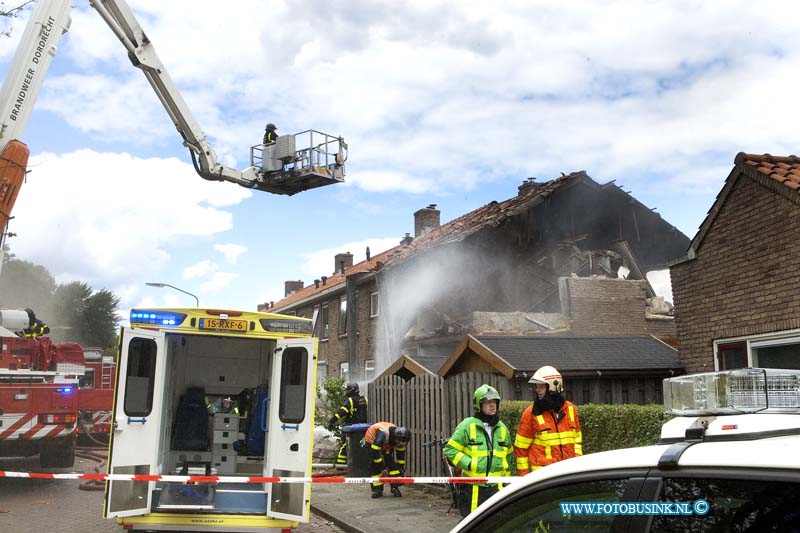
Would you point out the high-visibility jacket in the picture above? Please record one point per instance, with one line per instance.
(377, 438)
(470, 449)
(547, 438)
(353, 411)
(38, 329)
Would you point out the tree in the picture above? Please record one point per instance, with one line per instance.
(101, 319)
(9, 13)
(86, 317)
(24, 284)
(73, 311)
(69, 308)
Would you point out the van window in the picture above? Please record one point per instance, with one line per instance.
(140, 377)
(294, 367)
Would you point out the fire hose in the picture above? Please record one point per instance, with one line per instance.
(99, 454)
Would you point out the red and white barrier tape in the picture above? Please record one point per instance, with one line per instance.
(258, 479)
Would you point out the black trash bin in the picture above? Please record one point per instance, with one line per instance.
(357, 455)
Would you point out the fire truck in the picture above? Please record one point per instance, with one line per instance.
(96, 392)
(39, 395)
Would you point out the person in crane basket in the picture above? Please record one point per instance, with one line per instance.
(352, 411)
(549, 430)
(269, 134)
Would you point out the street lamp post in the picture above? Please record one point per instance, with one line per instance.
(162, 285)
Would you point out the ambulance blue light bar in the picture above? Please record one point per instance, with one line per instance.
(155, 317)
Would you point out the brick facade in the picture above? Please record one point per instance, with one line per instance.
(744, 279)
(333, 349)
(612, 307)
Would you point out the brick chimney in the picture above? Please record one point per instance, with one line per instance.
(408, 239)
(341, 262)
(291, 287)
(426, 219)
(526, 186)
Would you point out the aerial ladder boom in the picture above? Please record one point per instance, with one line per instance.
(292, 164)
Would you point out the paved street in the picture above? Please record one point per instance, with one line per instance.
(59, 506)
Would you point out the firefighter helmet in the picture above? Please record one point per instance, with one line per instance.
(271, 127)
(402, 434)
(484, 393)
(547, 375)
(351, 389)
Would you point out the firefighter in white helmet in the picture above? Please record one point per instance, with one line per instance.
(549, 430)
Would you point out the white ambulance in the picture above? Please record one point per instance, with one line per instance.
(215, 393)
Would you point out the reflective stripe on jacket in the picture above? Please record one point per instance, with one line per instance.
(547, 438)
(469, 449)
(377, 439)
(353, 411)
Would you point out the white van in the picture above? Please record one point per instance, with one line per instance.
(212, 392)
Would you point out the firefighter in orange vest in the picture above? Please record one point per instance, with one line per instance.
(549, 430)
(387, 450)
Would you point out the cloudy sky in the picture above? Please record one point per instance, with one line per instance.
(452, 103)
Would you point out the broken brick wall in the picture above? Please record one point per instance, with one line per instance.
(611, 307)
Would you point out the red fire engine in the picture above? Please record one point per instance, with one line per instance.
(38, 394)
(96, 395)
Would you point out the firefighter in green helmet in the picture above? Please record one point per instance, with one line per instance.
(480, 447)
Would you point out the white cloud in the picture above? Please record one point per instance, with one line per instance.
(320, 263)
(434, 96)
(230, 251)
(109, 219)
(200, 269)
(661, 282)
(218, 281)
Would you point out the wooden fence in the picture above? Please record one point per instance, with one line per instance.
(430, 407)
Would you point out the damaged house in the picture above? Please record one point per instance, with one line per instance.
(537, 263)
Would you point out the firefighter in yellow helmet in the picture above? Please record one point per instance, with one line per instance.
(480, 447)
(549, 430)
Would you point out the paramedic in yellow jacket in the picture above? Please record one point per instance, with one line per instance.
(549, 430)
(480, 447)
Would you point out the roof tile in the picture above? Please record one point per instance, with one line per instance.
(783, 169)
(453, 231)
(583, 353)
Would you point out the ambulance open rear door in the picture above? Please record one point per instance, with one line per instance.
(290, 433)
(136, 421)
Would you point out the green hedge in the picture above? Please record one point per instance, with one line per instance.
(604, 427)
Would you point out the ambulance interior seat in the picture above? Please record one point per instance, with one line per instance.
(254, 433)
(190, 431)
